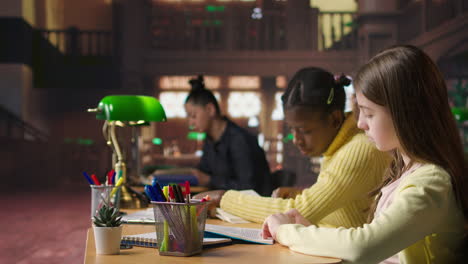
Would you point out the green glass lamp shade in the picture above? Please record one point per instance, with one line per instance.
(461, 114)
(196, 136)
(288, 137)
(157, 141)
(128, 108)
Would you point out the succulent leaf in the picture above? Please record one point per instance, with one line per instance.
(107, 217)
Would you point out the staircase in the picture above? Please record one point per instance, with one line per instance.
(12, 127)
(31, 160)
(24, 156)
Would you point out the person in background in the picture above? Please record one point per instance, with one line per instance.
(421, 210)
(314, 111)
(232, 158)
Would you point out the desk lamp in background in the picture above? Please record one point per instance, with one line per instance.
(123, 111)
(461, 115)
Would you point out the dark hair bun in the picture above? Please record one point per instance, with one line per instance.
(198, 83)
(343, 81)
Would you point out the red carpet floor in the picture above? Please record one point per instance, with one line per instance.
(44, 227)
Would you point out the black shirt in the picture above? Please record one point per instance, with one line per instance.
(236, 161)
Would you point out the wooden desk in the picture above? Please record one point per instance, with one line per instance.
(236, 253)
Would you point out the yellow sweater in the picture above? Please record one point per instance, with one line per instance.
(423, 225)
(351, 167)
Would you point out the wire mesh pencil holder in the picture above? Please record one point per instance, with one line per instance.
(180, 227)
(101, 195)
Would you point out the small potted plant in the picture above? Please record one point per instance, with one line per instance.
(107, 230)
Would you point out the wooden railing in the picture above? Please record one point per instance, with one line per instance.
(75, 42)
(417, 17)
(269, 33)
(230, 31)
(438, 12)
(74, 58)
(337, 30)
(235, 30)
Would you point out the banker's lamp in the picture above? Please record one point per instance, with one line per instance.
(126, 110)
(460, 113)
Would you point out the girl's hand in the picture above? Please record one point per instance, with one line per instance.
(298, 218)
(271, 224)
(215, 196)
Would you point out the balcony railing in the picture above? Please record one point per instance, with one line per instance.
(75, 42)
(337, 30)
(74, 58)
(417, 17)
(232, 31)
(173, 29)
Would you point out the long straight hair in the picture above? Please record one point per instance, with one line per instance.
(408, 83)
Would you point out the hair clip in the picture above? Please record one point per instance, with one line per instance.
(330, 96)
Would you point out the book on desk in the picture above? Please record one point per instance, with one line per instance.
(150, 240)
(215, 236)
(165, 179)
(251, 235)
(147, 216)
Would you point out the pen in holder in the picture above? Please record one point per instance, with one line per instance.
(102, 195)
(180, 227)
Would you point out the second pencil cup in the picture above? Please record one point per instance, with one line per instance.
(101, 195)
(180, 227)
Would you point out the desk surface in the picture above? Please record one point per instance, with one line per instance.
(237, 253)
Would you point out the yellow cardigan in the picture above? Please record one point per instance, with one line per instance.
(351, 167)
(423, 225)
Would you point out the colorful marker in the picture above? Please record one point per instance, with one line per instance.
(119, 182)
(88, 178)
(95, 179)
(110, 174)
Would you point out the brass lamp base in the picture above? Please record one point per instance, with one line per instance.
(131, 200)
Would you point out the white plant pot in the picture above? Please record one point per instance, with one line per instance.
(107, 240)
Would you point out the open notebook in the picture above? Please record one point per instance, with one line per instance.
(150, 240)
(253, 235)
(140, 217)
(147, 216)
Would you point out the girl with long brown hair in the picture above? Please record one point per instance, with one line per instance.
(421, 207)
(351, 167)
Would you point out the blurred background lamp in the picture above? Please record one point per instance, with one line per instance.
(461, 114)
(157, 141)
(199, 136)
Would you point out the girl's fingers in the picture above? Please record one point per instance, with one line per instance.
(274, 194)
(265, 231)
(292, 212)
